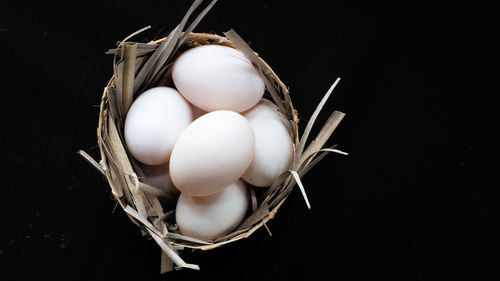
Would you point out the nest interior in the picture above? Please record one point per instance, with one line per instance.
(140, 66)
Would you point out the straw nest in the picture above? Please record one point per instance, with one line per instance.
(140, 66)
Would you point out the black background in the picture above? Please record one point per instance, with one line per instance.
(416, 199)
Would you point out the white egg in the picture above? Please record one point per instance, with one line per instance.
(211, 153)
(214, 77)
(209, 217)
(273, 144)
(159, 177)
(153, 124)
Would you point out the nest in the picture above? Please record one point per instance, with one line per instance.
(140, 66)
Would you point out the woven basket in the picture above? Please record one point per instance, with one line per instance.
(140, 66)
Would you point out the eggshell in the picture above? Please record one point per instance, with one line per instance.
(273, 144)
(153, 124)
(209, 217)
(211, 153)
(214, 77)
(159, 177)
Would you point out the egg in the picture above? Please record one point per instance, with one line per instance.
(159, 177)
(154, 122)
(273, 152)
(209, 217)
(214, 77)
(211, 153)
